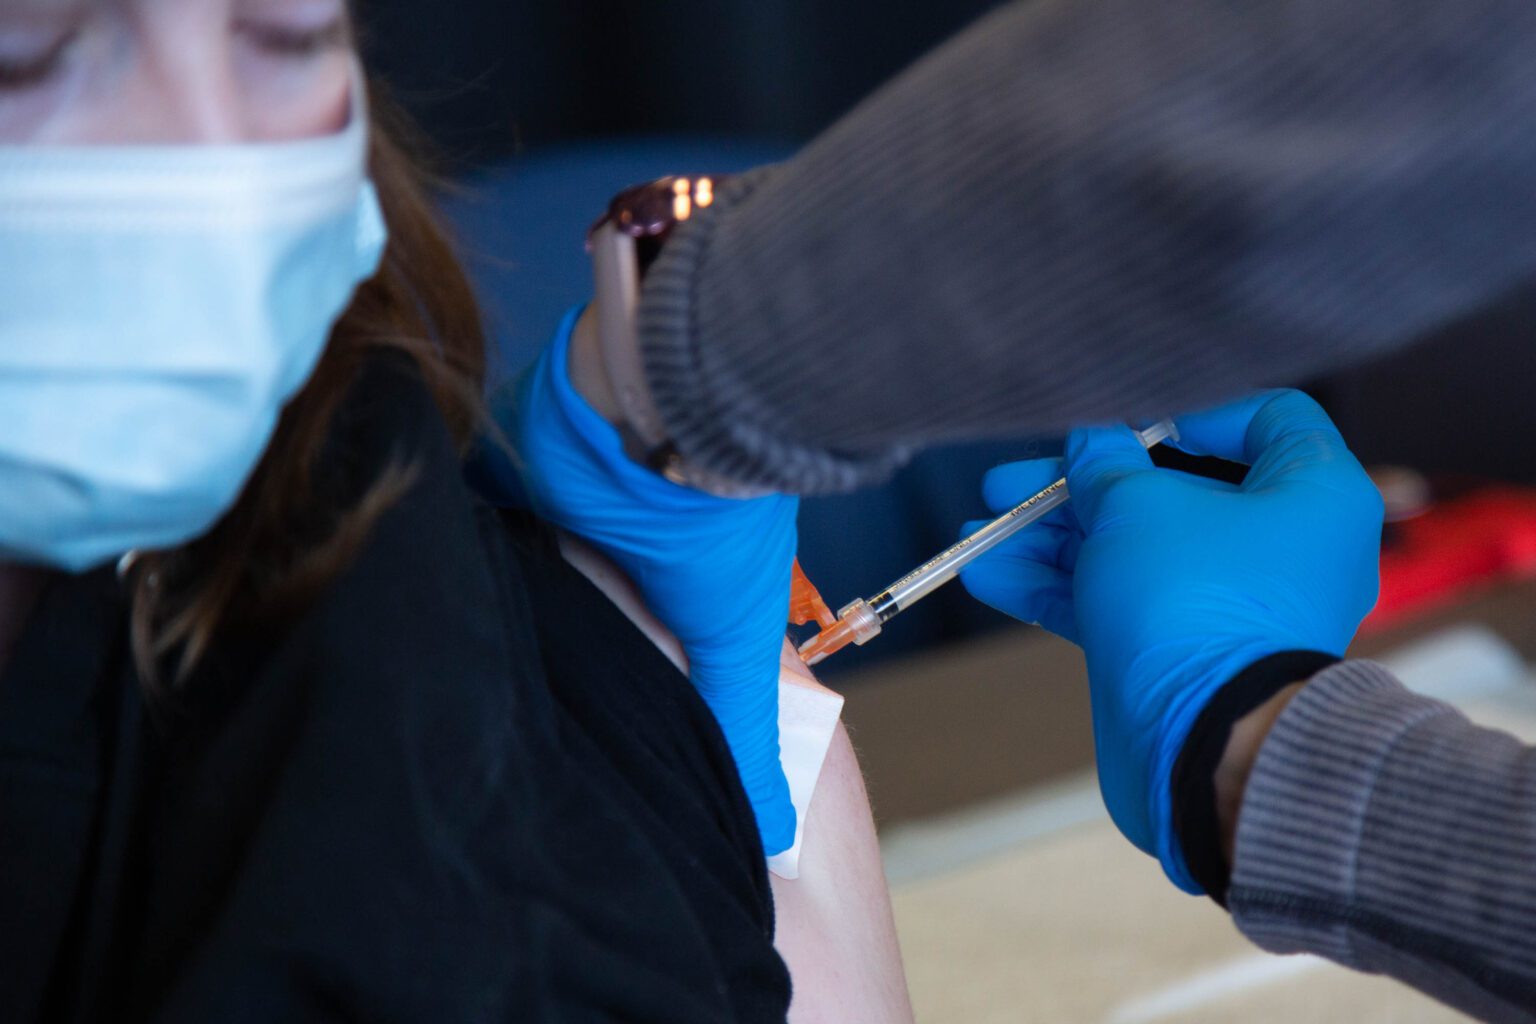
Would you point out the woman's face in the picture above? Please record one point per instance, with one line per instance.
(112, 72)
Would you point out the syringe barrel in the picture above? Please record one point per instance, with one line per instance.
(943, 567)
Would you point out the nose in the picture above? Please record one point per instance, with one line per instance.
(182, 87)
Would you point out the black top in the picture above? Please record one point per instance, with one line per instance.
(461, 787)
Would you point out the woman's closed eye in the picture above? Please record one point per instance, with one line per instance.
(294, 42)
(163, 71)
(29, 57)
(28, 60)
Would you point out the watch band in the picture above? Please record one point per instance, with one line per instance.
(623, 243)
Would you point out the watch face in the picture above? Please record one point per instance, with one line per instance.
(652, 209)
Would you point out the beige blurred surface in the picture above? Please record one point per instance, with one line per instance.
(1016, 900)
(1056, 918)
(1082, 927)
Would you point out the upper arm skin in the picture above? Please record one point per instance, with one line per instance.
(835, 927)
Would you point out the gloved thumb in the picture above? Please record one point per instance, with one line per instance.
(735, 667)
(1096, 459)
(750, 721)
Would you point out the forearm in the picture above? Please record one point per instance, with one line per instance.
(1386, 832)
(1099, 209)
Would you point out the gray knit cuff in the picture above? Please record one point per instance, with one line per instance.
(716, 421)
(1306, 806)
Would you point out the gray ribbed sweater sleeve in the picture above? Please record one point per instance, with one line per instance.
(1384, 831)
(1089, 209)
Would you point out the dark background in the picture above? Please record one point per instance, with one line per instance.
(510, 91)
(495, 77)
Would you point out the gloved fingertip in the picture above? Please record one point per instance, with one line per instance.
(1240, 431)
(777, 828)
(1289, 412)
(768, 791)
(970, 526)
(1007, 485)
(1115, 441)
(1060, 618)
(1097, 457)
(1030, 592)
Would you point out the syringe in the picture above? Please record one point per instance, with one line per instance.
(861, 620)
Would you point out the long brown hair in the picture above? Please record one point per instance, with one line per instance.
(286, 539)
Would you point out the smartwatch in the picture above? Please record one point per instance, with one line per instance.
(623, 243)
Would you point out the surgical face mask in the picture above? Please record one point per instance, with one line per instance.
(158, 307)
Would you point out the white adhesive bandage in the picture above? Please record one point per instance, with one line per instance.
(807, 719)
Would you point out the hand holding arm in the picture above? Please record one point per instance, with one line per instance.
(715, 570)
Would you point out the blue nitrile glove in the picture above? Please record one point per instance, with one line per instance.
(715, 570)
(1174, 584)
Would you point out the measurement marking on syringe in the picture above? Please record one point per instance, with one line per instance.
(981, 536)
(860, 620)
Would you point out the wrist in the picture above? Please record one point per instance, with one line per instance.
(623, 242)
(1237, 760)
(1204, 821)
(587, 372)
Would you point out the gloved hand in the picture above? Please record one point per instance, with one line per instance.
(715, 570)
(1173, 584)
